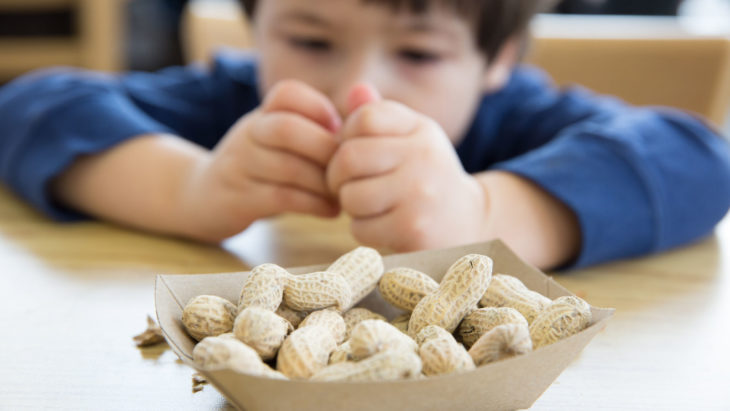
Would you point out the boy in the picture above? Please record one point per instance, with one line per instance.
(364, 102)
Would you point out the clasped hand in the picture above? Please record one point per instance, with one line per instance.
(392, 169)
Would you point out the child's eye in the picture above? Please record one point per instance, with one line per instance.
(311, 44)
(419, 56)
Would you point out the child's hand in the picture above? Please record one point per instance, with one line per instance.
(273, 160)
(397, 174)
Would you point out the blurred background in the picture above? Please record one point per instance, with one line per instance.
(670, 52)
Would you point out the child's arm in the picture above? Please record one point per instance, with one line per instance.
(271, 161)
(571, 180)
(111, 148)
(52, 117)
(638, 179)
(397, 175)
(537, 225)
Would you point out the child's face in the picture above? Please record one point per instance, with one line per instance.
(428, 62)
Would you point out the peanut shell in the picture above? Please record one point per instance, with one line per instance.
(306, 351)
(341, 353)
(388, 365)
(404, 287)
(564, 317)
(459, 291)
(214, 353)
(294, 317)
(264, 287)
(372, 336)
(361, 268)
(481, 320)
(331, 320)
(261, 330)
(502, 341)
(314, 291)
(441, 354)
(207, 316)
(508, 291)
(430, 332)
(355, 315)
(401, 322)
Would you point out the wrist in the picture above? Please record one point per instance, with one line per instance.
(536, 225)
(193, 200)
(482, 225)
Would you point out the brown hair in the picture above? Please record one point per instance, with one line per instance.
(493, 21)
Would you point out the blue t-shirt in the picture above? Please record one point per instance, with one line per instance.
(639, 180)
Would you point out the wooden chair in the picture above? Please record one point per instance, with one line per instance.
(209, 25)
(98, 43)
(643, 60)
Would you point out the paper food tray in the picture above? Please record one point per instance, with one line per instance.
(508, 384)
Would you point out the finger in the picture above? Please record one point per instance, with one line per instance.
(378, 231)
(298, 97)
(380, 118)
(277, 199)
(280, 167)
(361, 94)
(365, 157)
(296, 134)
(371, 197)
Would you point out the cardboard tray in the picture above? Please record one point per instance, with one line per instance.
(508, 384)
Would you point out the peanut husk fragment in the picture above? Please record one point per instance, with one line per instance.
(151, 336)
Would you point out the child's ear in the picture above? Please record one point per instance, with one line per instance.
(498, 71)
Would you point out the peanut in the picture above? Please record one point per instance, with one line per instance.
(373, 336)
(226, 352)
(261, 330)
(401, 322)
(440, 353)
(484, 319)
(264, 287)
(385, 366)
(508, 291)
(502, 341)
(331, 320)
(361, 268)
(305, 351)
(294, 317)
(459, 291)
(564, 317)
(208, 315)
(430, 332)
(353, 317)
(314, 291)
(404, 287)
(341, 353)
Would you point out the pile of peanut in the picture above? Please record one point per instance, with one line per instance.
(305, 327)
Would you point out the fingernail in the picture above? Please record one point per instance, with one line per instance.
(361, 94)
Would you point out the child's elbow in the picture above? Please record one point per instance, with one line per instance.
(712, 195)
(696, 182)
(722, 184)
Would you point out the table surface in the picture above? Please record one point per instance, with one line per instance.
(73, 295)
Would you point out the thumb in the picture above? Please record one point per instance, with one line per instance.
(361, 94)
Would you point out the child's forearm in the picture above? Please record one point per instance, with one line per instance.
(536, 225)
(139, 183)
